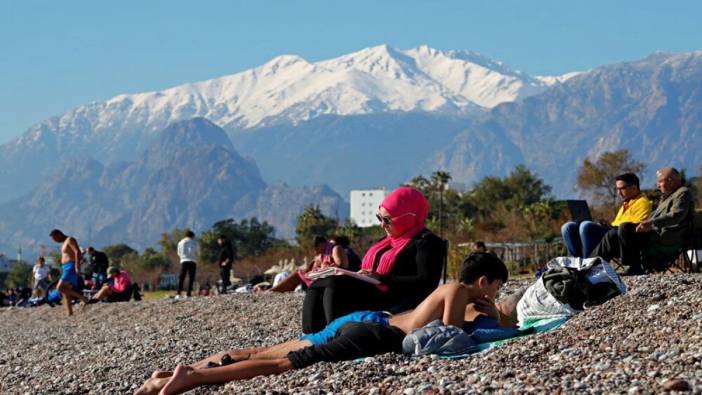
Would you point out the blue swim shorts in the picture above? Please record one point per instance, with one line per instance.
(69, 274)
(329, 332)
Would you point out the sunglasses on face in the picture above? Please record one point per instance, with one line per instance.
(388, 220)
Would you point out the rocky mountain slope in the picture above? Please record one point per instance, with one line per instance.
(287, 90)
(190, 176)
(653, 107)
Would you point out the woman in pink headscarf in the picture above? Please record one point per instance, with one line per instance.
(407, 262)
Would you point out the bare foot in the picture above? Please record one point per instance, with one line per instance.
(152, 386)
(160, 374)
(178, 383)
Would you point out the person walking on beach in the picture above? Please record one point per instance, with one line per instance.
(226, 260)
(42, 277)
(187, 252)
(70, 266)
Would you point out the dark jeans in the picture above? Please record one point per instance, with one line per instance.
(187, 267)
(335, 296)
(224, 274)
(121, 296)
(624, 243)
(353, 340)
(581, 239)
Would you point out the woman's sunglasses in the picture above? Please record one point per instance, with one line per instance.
(388, 220)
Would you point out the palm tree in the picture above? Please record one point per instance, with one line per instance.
(439, 180)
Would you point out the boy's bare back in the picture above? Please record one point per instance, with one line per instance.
(447, 303)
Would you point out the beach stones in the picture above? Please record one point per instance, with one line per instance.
(622, 346)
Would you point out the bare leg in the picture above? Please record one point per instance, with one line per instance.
(272, 352)
(69, 294)
(104, 292)
(507, 308)
(186, 378)
(67, 289)
(69, 304)
(287, 285)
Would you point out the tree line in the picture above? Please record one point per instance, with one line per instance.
(516, 207)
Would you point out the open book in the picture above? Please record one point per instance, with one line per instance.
(335, 271)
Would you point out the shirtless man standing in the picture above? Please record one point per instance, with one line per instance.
(70, 267)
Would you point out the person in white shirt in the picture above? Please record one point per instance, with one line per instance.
(187, 252)
(42, 277)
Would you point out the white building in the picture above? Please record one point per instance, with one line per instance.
(364, 206)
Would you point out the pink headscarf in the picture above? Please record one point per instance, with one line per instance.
(400, 203)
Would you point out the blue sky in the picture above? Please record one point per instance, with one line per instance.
(57, 55)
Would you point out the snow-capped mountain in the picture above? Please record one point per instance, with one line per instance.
(289, 88)
(286, 90)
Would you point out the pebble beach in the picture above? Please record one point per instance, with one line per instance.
(647, 341)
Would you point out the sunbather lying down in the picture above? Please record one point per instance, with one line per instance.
(357, 335)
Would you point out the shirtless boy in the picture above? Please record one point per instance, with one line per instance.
(357, 335)
(70, 267)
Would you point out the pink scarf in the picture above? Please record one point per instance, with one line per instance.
(399, 203)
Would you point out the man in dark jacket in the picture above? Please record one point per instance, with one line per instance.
(225, 261)
(99, 264)
(661, 236)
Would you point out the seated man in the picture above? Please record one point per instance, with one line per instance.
(581, 239)
(357, 335)
(662, 233)
(118, 287)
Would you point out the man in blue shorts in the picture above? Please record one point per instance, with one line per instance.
(70, 267)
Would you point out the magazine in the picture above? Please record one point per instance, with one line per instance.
(335, 271)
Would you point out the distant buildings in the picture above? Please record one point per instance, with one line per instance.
(364, 206)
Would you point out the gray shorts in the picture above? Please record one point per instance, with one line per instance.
(42, 284)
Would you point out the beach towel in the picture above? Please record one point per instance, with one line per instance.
(450, 342)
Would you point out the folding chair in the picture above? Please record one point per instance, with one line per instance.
(445, 261)
(685, 259)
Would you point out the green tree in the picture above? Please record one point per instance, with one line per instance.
(154, 260)
(439, 180)
(361, 238)
(598, 177)
(525, 188)
(169, 244)
(117, 252)
(420, 183)
(519, 189)
(539, 216)
(312, 222)
(152, 264)
(251, 238)
(20, 275)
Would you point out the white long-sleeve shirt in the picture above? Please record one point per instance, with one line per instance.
(188, 250)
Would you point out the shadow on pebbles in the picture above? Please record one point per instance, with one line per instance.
(648, 341)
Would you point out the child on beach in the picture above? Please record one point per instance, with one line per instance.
(357, 335)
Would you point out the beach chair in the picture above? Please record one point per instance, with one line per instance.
(444, 263)
(681, 259)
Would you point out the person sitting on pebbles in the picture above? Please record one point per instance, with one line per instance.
(356, 335)
(118, 287)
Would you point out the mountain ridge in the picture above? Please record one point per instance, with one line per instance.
(190, 176)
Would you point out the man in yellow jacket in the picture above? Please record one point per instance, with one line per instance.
(655, 239)
(581, 239)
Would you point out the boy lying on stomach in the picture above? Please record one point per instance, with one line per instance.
(357, 335)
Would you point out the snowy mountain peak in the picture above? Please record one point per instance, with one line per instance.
(289, 89)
